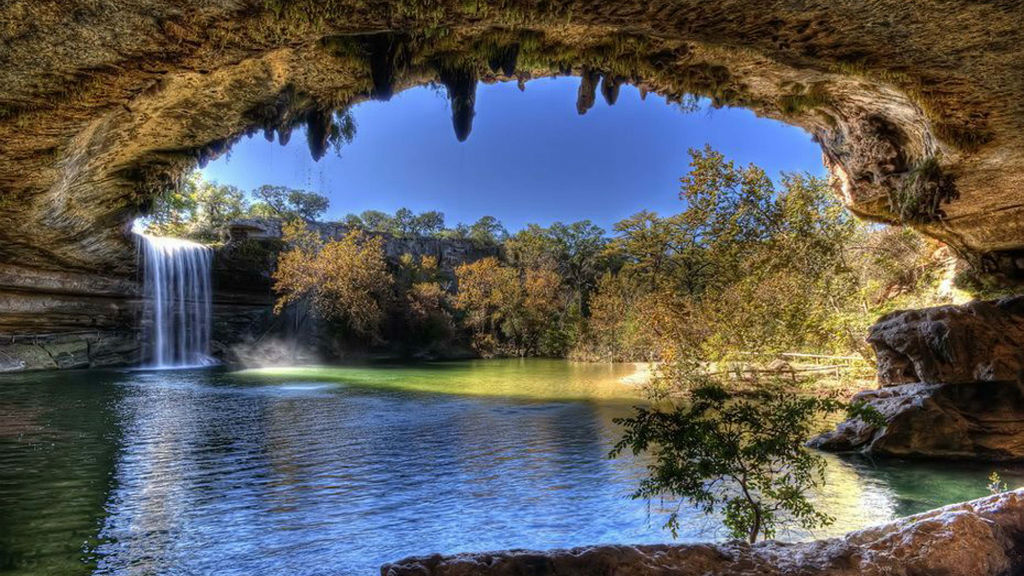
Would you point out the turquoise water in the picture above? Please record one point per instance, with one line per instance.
(337, 470)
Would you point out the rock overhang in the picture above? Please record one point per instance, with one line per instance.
(918, 111)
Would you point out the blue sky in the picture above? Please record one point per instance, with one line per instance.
(530, 157)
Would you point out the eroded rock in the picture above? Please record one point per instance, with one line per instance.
(951, 385)
(984, 537)
(979, 341)
(103, 106)
(977, 421)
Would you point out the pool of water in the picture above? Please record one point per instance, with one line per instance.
(337, 470)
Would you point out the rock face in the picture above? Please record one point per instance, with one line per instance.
(975, 342)
(53, 319)
(103, 105)
(983, 537)
(979, 421)
(952, 385)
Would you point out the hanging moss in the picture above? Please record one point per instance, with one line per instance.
(804, 99)
(922, 192)
(389, 56)
(318, 130)
(503, 58)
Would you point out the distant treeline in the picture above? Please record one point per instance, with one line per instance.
(746, 267)
(202, 210)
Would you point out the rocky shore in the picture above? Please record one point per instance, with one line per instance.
(951, 385)
(983, 537)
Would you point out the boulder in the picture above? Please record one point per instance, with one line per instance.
(951, 385)
(977, 421)
(979, 341)
(978, 538)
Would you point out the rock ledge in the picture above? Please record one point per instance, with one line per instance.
(983, 537)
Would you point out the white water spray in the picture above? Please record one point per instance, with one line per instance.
(178, 302)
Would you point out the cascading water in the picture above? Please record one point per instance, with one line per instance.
(178, 302)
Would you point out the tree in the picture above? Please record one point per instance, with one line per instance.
(487, 230)
(346, 280)
(485, 288)
(654, 249)
(407, 223)
(377, 221)
(745, 267)
(353, 222)
(286, 203)
(198, 209)
(579, 247)
(459, 232)
(532, 247)
(538, 312)
(404, 220)
(743, 457)
(429, 223)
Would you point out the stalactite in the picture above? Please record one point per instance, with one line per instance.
(389, 55)
(284, 135)
(460, 78)
(318, 131)
(610, 88)
(521, 80)
(504, 58)
(587, 94)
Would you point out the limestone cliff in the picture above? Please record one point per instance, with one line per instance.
(952, 385)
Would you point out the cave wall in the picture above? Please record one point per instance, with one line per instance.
(919, 108)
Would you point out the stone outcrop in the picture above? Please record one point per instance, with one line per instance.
(983, 537)
(951, 385)
(976, 342)
(53, 319)
(976, 421)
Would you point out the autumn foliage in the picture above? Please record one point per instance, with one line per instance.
(346, 281)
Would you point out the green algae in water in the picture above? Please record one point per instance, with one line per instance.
(525, 379)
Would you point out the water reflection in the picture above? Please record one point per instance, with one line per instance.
(207, 472)
(58, 443)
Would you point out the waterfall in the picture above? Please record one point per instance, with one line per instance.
(177, 302)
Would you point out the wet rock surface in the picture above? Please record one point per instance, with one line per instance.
(984, 537)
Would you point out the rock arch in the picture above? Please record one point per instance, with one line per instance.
(919, 111)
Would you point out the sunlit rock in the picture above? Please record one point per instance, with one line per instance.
(974, 342)
(984, 537)
(952, 382)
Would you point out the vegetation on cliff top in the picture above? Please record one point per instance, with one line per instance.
(746, 270)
